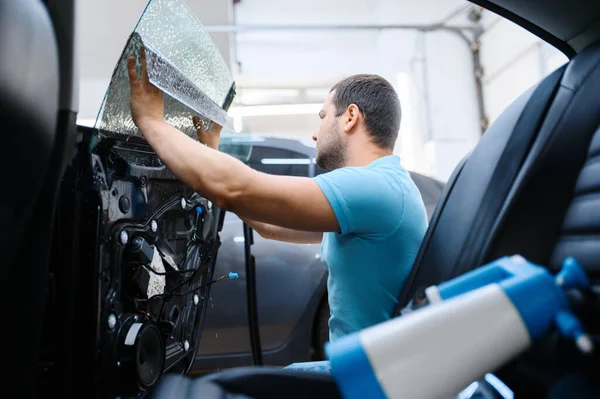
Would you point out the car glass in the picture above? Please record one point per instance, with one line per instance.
(279, 161)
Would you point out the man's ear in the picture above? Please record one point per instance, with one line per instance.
(353, 117)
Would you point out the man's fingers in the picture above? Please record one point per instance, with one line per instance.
(133, 78)
(196, 122)
(198, 125)
(143, 62)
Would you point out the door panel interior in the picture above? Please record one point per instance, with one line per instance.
(134, 249)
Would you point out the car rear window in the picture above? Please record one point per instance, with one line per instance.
(278, 161)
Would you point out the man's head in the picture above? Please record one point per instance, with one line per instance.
(359, 107)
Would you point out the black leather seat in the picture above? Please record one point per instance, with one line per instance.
(29, 102)
(29, 68)
(519, 190)
(478, 194)
(532, 187)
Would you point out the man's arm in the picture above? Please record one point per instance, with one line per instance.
(267, 231)
(272, 232)
(292, 202)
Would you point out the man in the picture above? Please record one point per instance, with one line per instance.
(367, 212)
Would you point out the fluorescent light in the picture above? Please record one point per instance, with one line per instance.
(238, 239)
(285, 161)
(270, 110)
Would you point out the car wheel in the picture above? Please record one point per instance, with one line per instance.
(321, 330)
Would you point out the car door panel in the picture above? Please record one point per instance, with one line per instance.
(287, 276)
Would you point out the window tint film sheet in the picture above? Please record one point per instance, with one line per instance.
(183, 62)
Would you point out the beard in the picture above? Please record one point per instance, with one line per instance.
(333, 153)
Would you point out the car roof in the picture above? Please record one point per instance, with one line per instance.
(570, 26)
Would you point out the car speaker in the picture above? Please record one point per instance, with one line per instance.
(141, 355)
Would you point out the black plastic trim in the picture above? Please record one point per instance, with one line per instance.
(252, 303)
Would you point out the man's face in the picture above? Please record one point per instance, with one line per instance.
(331, 145)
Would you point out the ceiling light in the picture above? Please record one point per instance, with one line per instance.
(285, 161)
(271, 110)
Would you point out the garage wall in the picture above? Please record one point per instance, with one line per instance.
(432, 72)
(514, 60)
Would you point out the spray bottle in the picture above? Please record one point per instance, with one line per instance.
(472, 325)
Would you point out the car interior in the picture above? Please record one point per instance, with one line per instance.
(103, 210)
(73, 247)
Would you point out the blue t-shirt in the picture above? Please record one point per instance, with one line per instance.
(382, 220)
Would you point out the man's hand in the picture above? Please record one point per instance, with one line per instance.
(146, 100)
(210, 139)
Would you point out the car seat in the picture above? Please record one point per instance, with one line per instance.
(29, 104)
(530, 187)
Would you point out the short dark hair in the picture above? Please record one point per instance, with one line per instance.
(377, 101)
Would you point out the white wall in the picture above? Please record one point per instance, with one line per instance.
(513, 60)
(452, 103)
(431, 71)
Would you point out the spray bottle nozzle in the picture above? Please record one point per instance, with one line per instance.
(570, 327)
(572, 275)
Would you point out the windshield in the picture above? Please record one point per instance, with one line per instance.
(185, 64)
